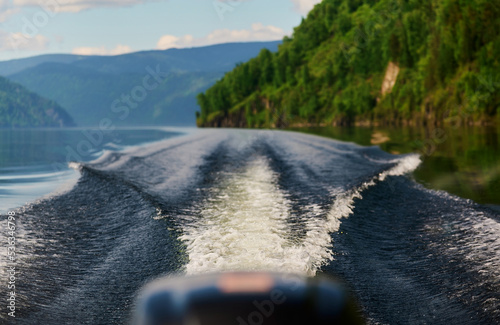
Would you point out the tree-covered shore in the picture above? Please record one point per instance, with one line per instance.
(425, 62)
(21, 108)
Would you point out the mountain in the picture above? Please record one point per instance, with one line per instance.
(361, 62)
(14, 66)
(97, 87)
(21, 108)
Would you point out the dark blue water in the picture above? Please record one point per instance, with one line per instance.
(218, 200)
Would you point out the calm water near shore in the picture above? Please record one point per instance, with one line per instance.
(35, 162)
(464, 162)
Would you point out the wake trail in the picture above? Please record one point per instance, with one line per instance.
(243, 224)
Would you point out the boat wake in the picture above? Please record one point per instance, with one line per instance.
(220, 200)
(243, 223)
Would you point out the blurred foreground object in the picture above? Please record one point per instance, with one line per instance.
(245, 299)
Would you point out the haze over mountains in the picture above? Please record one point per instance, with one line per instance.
(143, 88)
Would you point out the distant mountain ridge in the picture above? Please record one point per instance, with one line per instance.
(89, 87)
(17, 65)
(222, 57)
(21, 108)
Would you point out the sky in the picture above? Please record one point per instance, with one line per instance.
(112, 27)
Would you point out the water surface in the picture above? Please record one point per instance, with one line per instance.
(219, 200)
(462, 161)
(36, 162)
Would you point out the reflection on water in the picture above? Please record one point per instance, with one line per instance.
(34, 162)
(462, 161)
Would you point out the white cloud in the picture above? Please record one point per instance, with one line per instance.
(304, 6)
(170, 41)
(258, 32)
(77, 5)
(7, 10)
(19, 42)
(119, 49)
(6, 13)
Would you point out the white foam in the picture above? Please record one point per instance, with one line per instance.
(75, 166)
(318, 243)
(242, 225)
(403, 166)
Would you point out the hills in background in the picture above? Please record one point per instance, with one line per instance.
(422, 62)
(143, 88)
(21, 108)
(14, 66)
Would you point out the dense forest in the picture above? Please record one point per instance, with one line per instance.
(21, 108)
(370, 62)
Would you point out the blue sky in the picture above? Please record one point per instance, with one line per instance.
(110, 27)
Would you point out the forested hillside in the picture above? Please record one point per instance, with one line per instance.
(370, 61)
(21, 108)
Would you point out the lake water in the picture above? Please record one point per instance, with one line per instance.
(461, 161)
(36, 162)
(219, 200)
